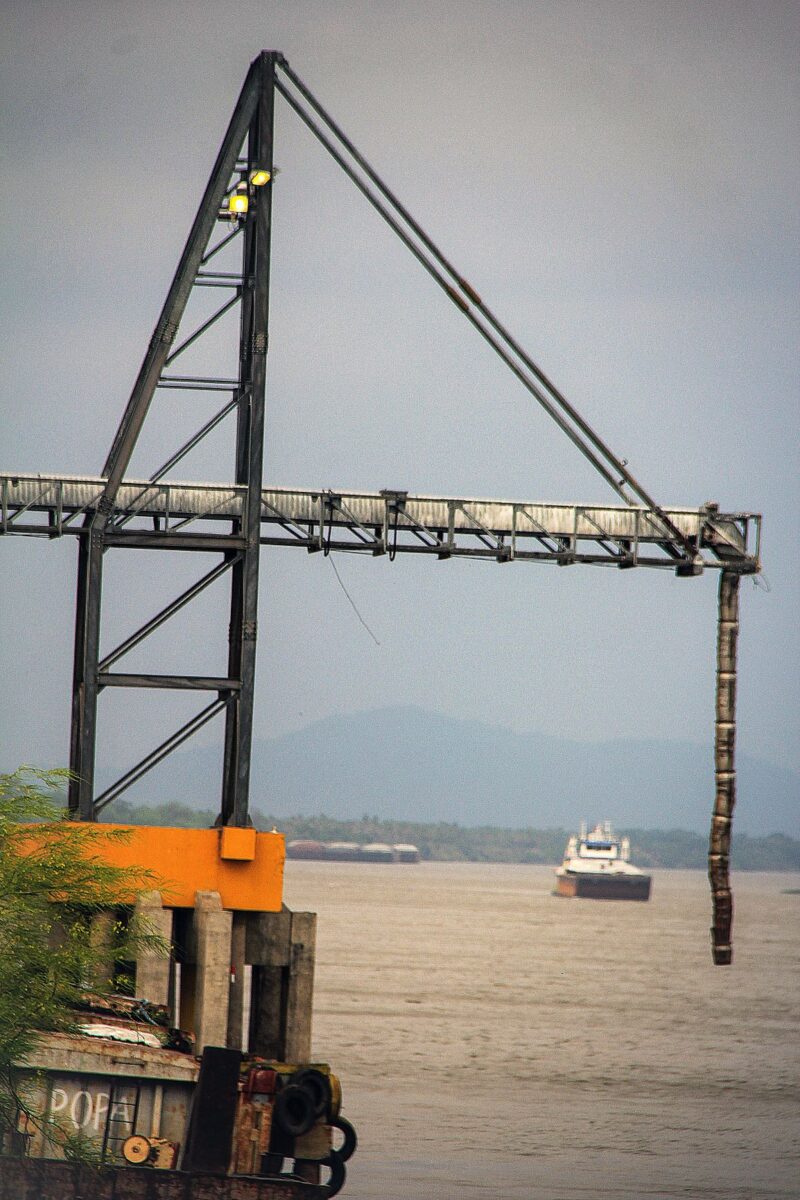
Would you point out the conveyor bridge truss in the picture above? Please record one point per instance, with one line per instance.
(183, 516)
(228, 252)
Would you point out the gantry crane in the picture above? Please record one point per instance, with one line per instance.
(111, 512)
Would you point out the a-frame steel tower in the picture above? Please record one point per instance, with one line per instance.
(245, 158)
(109, 512)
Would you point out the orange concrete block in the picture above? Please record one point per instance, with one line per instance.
(244, 866)
(238, 844)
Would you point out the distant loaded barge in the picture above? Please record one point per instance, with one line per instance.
(596, 866)
(372, 852)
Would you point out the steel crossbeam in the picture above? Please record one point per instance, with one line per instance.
(379, 523)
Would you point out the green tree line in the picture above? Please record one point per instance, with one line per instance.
(446, 842)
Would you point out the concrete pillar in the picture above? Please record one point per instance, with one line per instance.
(212, 926)
(281, 946)
(101, 939)
(267, 949)
(300, 990)
(153, 970)
(239, 977)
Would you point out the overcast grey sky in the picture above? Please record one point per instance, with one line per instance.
(618, 179)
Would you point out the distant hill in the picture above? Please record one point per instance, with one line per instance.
(404, 763)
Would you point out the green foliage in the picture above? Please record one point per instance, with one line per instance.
(448, 842)
(171, 813)
(79, 1147)
(61, 924)
(444, 842)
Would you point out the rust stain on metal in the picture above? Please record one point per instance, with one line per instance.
(725, 771)
(40, 1179)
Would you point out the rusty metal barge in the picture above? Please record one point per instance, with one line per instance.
(207, 1069)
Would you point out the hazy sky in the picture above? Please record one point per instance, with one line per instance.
(618, 179)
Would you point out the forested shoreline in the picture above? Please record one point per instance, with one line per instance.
(445, 842)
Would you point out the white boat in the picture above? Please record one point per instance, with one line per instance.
(597, 866)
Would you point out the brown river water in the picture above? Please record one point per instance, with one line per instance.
(494, 1040)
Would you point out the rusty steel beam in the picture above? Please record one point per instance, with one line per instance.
(725, 768)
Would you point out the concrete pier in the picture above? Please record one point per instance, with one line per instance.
(212, 927)
(281, 949)
(246, 978)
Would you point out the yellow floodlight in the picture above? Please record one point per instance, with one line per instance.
(239, 201)
(260, 176)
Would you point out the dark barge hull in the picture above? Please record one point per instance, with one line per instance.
(43, 1179)
(604, 887)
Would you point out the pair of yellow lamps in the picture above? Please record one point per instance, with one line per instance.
(239, 199)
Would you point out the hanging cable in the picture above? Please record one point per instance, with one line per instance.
(352, 603)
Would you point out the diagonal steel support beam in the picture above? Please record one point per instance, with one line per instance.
(155, 622)
(183, 281)
(154, 758)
